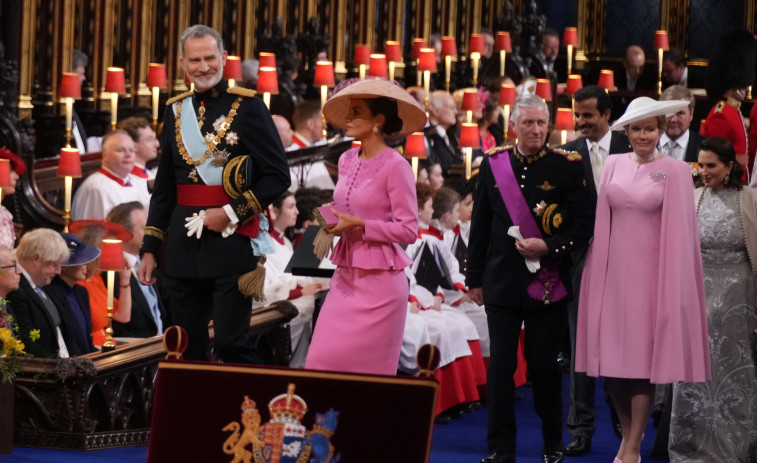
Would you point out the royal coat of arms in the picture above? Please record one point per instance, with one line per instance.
(283, 439)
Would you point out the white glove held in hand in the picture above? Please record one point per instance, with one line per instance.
(230, 229)
(194, 224)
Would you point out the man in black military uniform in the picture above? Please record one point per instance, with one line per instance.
(554, 209)
(207, 131)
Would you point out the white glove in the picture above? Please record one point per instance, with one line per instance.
(230, 229)
(533, 265)
(194, 224)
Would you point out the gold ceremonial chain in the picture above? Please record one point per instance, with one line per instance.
(213, 139)
(201, 110)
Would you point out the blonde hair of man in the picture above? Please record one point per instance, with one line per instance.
(45, 244)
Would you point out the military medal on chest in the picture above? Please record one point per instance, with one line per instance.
(221, 134)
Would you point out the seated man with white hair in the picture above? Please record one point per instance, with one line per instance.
(40, 254)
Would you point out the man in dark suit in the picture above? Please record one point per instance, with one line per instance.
(442, 114)
(544, 192)
(676, 72)
(148, 314)
(592, 115)
(40, 253)
(635, 76)
(678, 141)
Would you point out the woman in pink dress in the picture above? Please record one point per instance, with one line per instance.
(362, 321)
(642, 318)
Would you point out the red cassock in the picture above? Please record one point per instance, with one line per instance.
(724, 120)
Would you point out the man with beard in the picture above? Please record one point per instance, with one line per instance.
(222, 165)
(592, 116)
(678, 141)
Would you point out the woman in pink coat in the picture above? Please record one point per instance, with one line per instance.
(641, 318)
(362, 321)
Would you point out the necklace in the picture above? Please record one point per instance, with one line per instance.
(644, 160)
(213, 139)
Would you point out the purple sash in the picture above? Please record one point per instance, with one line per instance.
(547, 286)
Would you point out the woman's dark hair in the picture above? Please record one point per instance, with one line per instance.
(723, 149)
(278, 202)
(388, 108)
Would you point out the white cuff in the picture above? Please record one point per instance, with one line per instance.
(232, 215)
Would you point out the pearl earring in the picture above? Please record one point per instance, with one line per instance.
(375, 129)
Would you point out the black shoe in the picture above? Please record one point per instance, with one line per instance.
(499, 457)
(552, 456)
(578, 446)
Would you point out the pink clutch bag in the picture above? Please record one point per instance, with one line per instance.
(325, 217)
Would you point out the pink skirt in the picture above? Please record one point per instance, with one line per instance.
(361, 323)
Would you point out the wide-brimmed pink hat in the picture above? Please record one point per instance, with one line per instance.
(644, 107)
(410, 111)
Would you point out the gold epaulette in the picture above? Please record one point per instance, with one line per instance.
(571, 156)
(497, 149)
(179, 97)
(719, 107)
(242, 91)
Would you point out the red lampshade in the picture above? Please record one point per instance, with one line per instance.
(5, 172)
(427, 61)
(570, 36)
(415, 145)
(324, 74)
(156, 75)
(356, 144)
(267, 59)
(544, 89)
(470, 136)
(564, 119)
(417, 45)
(503, 42)
(507, 95)
(112, 255)
(377, 68)
(70, 163)
(362, 55)
(607, 80)
(449, 46)
(70, 85)
(268, 81)
(115, 80)
(393, 51)
(661, 40)
(470, 101)
(575, 83)
(233, 68)
(476, 43)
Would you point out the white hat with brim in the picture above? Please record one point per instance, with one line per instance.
(644, 107)
(410, 111)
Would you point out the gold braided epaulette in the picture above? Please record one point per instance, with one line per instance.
(498, 149)
(242, 91)
(179, 97)
(571, 156)
(719, 107)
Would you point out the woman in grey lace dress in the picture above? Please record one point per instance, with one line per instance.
(716, 421)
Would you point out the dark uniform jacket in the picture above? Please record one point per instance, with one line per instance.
(266, 178)
(566, 220)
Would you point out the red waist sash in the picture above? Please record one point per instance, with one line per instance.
(201, 195)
